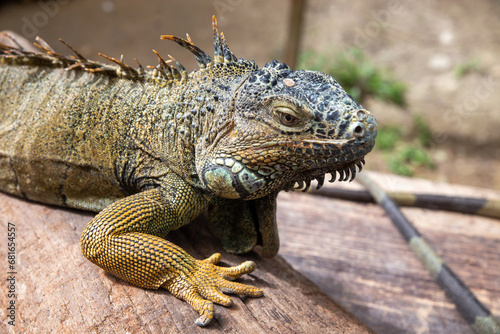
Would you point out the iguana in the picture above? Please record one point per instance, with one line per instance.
(151, 149)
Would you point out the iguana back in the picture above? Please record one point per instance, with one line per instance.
(62, 134)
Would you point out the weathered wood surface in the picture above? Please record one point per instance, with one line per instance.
(353, 252)
(59, 291)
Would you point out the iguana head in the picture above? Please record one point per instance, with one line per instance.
(290, 127)
(269, 129)
(277, 128)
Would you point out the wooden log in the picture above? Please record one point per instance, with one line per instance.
(354, 253)
(58, 290)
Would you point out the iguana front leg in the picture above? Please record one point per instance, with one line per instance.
(125, 239)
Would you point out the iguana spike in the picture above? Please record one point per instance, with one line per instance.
(201, 57)
(75, 65)
(128, 71)
(341, 175)
(360, 166)
(181, 68)
(178, 64)
(162, 61)
(163, 67)
(159, 70)
(188, 38)
(175, 72)
(13, 40)
(11, 51)
(308, 185)
(353, 173)
(51, 53)
(299, 185)
(228, 55)
(321, 181)
(78, 55)
(141, 68)
(43, 45)
(333, 177)
(347, 174)
(102, 69)
(116, 61)
(218, 49)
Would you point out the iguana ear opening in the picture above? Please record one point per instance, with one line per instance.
(240, 225)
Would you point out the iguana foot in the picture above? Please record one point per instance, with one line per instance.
(205, 283)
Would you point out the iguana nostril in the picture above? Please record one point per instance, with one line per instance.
(359, 130)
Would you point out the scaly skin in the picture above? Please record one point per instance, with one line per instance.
(151, 150)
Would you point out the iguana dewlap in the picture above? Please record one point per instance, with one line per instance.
(152, 149)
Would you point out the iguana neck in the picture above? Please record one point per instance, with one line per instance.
(196, 114)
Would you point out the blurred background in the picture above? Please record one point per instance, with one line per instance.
(428, 70)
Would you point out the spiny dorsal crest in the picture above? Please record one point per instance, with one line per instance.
(163, 73)
(221, 50)
(223, 56)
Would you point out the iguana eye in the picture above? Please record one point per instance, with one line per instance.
(286, 116)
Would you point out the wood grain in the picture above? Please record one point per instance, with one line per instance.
(353, 252)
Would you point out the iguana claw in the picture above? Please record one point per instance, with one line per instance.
(205, 283)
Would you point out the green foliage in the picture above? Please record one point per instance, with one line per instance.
(467, 67)
(424, 132)
(359, 77)
(404, 156)
(387, 138)
(407, 158)
(398, 167)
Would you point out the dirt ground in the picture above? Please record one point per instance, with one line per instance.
(422, 42)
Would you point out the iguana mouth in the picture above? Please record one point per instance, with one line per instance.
(347, 173)
(301, 143)
(328, 142)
